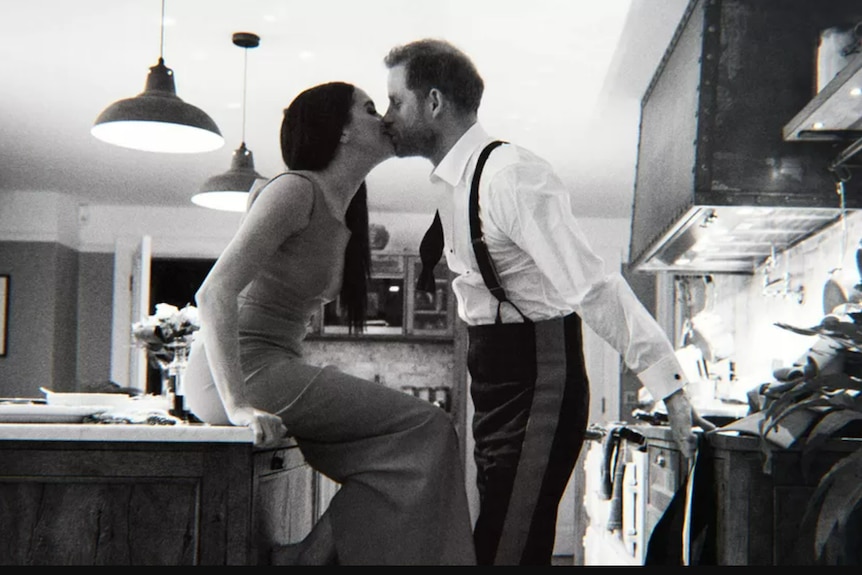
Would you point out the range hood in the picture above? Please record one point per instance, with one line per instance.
(718, 187)
(731, 239)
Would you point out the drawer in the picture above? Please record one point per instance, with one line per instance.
(664, 468)
(267, 462)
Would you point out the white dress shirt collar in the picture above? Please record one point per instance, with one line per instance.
(452, 167)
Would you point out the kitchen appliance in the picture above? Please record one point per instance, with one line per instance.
(718, 187)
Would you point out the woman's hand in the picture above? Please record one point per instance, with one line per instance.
(268, 429)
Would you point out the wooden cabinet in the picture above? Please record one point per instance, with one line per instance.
(395, 307)
(430, 313)
(758, 516)
(285, 501)
(150, 503)
(666, 472)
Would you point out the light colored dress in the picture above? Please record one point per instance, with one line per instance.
(402, 499)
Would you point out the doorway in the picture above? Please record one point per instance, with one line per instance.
(173, 281)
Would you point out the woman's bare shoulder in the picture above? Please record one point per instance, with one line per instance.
(293, 186)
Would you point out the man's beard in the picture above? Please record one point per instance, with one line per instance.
(416, 143)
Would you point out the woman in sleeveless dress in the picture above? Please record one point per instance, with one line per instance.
(303, 242)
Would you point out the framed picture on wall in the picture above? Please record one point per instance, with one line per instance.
(4, 313)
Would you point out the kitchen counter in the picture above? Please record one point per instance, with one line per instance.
(757, 516)
(146, 494)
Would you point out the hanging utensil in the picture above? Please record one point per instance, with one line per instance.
(833, 295)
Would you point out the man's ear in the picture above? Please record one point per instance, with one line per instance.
(435, 101)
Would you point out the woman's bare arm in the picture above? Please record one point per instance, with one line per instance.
(282, 209)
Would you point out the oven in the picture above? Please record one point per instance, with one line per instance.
(634, 502)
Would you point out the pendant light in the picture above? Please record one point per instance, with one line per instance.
(229, 191)
(157, 120)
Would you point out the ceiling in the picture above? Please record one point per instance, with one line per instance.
(558, 80)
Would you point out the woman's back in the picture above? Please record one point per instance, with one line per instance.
(305, 272)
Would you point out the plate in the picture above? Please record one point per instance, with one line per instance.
(85, 399)
(41, 413)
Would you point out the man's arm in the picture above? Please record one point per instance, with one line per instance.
(541, 222)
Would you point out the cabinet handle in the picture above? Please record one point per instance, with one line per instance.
(277, 463)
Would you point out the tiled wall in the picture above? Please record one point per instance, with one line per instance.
(393, 363)
(750, 310)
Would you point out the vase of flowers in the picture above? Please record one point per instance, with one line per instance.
(167, 336)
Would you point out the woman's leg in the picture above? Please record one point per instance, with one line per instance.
(395, 456)
(402, 499)
(318, 547)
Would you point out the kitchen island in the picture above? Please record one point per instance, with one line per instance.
(142, 494)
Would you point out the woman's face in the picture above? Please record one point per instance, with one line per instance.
(366, 128)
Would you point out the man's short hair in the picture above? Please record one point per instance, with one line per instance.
(432, 63)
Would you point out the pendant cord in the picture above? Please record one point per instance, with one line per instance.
(244, 87)
(162, 33)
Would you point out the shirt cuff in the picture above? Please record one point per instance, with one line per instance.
(663, 377)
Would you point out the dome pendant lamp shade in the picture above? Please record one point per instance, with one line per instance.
(157, 120)
(229, 191)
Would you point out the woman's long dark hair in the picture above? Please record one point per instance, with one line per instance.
(310, 133)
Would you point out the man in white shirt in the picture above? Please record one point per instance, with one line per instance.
(525, 353)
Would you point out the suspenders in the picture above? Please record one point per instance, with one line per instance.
(480, 249)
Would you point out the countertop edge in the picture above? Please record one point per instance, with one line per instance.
(125, 432)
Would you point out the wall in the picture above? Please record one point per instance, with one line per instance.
(42, 323)
(750, 311)
(394, 363)
(95, 298)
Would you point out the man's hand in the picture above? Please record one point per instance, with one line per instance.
(680, 414)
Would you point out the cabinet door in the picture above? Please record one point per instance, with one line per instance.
(136, 503)
(666, 471)
(429, 314)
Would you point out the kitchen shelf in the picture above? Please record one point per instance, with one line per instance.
(835, 113)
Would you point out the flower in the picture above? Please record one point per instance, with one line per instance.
(164, 329)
